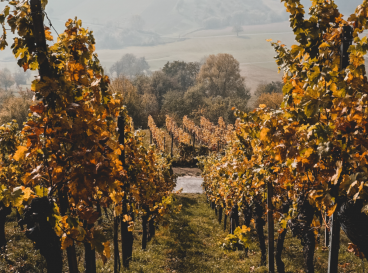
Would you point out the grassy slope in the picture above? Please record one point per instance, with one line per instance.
(189, 244)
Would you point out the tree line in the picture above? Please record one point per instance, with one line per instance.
(210, 89)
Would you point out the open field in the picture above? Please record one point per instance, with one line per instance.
(187, 41)
(254, 54)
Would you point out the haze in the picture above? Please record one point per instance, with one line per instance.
(187, 30)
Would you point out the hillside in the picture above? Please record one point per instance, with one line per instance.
(174, 17)
(163, 16)
(167, 20)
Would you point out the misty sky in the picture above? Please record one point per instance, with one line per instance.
(167, 20)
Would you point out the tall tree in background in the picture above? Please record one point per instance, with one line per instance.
(162, 84)
(139, 105)
(183, 73)
(268, 88)
(220, 76)
(130, 66)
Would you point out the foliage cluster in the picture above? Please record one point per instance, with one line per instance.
(70, 150)
(314, 150)
(180, 89)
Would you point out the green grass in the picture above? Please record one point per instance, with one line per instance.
(190, 243)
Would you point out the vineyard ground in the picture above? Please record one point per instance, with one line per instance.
(187, 172)
(190, 243)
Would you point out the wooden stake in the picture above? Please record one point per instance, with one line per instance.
(144, 234)
(333, 258)
(220, 215)
(40, 39)
(116, 246)
(327, 234)
(126, 235)
(271, 229)
(225, 219)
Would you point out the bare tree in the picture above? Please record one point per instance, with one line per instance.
(237, 29)
(6, 78)
(130, 66)
(21, 77)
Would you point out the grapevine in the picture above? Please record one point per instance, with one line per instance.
(179, 135)
(68, 153)
(157, 134)
(313, 151)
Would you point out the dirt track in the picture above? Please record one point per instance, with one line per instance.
(190, 184)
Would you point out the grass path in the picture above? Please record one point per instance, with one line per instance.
(191, 243)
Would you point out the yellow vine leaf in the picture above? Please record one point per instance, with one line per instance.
(48, 35)
(66, 242)
(106, 251)
(27, 193)
(264, 134)
(41, 191)
(19, 154)
(131, 228)
(127, 218)
(331, 210)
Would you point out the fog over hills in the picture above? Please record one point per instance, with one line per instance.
(160, 20)
(168, 30)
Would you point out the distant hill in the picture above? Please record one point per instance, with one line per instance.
(110, 19)
(168, 20)
(164, 16)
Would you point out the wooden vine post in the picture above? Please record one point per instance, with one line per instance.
(150, 137)
(144, 228)
(89, 255)
(44, 71)
(117, 263)
(220, 214)
(271, 229)
(40, 38)
(327, 234)
(116, 245)
(333, 258)
(126, 235)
